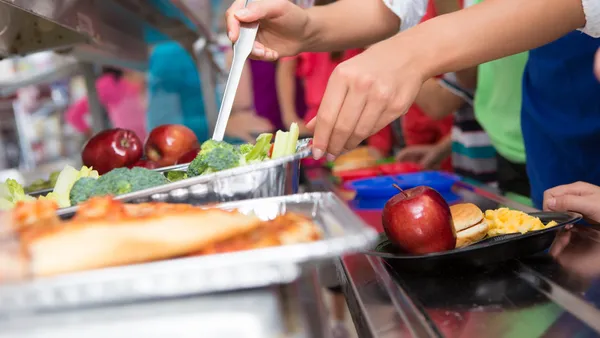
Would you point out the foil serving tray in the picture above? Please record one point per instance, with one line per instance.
(343, 232)
(266, 179)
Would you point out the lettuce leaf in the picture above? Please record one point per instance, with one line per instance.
(65, 181)
(11, 192)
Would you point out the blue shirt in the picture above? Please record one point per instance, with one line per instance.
(174, 90)
(561, 114)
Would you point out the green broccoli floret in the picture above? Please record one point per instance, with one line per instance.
(142, 178)
(82, 190)
(197, 166)
(222, 158)
(116, 182)
(214, 156)
(175, 176)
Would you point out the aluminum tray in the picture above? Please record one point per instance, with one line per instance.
(266, 179)
(344, 232)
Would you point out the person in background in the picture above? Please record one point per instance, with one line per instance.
(256, 104)
(174, 90)
(497, 107)
(452, 95)
(122, 96)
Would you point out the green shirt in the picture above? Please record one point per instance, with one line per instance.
(498, 104)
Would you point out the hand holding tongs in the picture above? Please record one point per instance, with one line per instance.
(241, 51)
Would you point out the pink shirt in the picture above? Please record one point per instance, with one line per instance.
(123, 102)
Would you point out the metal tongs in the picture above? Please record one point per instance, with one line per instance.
(241, 51)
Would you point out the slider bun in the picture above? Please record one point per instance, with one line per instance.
(465, 215)
(471, 235)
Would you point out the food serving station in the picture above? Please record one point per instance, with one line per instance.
(541, 295)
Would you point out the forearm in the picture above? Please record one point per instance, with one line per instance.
(437, 102)
(349, 24)
(286, 89)
(488, 31)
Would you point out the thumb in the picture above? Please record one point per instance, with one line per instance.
(581, 204)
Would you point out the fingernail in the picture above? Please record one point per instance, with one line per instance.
(230, 35)
(330, 157)
(242, 12)
(317, 154)
(552, 203)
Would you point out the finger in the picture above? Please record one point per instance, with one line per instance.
(262, 125)
(580, 204)
(365, 124)
(233, 24)
(560, 243)
(260, 52)
(576, 189)
(328, 112)
(428, 161)
(347, 120)
(597, 64)
(311, 124)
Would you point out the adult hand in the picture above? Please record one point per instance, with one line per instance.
(427, 155)
(580, 197)
(245, 125)
(283, 27)
(364, 94)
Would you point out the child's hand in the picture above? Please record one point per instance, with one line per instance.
(246, 125)
(283, 28)
(427, 155)
(597, 65)
(579, 197)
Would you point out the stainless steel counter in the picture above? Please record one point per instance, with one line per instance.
(547, 295)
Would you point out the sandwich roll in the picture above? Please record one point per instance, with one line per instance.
(469, 224)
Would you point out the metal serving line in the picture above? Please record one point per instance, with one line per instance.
(108, 32)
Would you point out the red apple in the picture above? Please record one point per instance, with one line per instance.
(110, 149)
(145, 164)
(419, 221)
(189, 156)
(167, 143)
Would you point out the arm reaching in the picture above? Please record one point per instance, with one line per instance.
(490, 30)
(286, 29)
(369, 91)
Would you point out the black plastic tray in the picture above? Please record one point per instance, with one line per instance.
(482, 254)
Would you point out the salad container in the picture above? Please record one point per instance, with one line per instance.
(270, 178)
